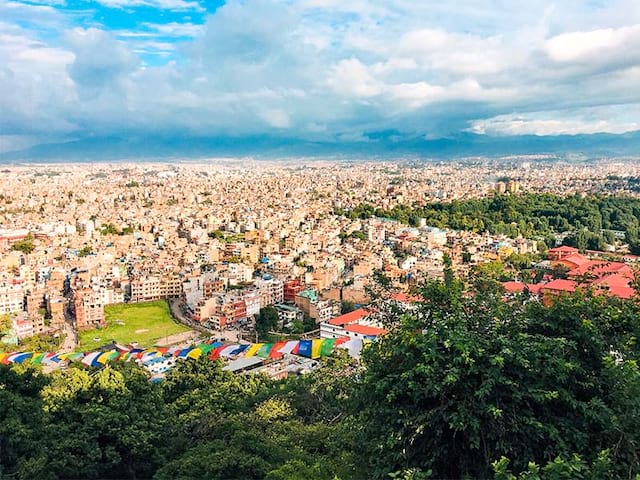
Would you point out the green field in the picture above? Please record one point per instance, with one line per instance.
(144, 323)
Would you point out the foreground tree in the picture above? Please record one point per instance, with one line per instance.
(462, 382)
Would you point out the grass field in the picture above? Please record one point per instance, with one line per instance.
(144, 323)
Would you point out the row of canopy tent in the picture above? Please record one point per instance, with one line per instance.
(315, 348)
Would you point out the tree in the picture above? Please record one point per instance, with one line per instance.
(560, 271)
(347, 306)
(25, 246)
(380, 286)
(5, 322)
(105, 425)
(358, 234)
(267, 321)
(217, 234)
(451, 390)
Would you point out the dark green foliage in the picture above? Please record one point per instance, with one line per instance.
(267, 321)
(25, 246)
(462, 386)
(347, 306)
(466, 381)
(529, 215)
(243, 427)
(111, 229)
(560, 271)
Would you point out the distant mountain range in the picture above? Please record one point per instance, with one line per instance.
(375, 145)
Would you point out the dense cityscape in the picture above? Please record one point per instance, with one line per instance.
(319, 239)
(224, 241)
(296, 272)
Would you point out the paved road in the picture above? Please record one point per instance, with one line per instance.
(69, 344)
(70, 335)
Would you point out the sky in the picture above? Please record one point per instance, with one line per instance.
(320, 70)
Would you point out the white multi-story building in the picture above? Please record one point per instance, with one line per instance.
(271, 291)
(239, 273)
(192, 290)
(170, 286)
(23, 327)
(11, 298)
(287, 314)
(252, 300)
(324, 310)
(145, 288)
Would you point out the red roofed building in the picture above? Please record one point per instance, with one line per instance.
(609, 278)
(350, 317)
(535, 288)
(573, 261)
(404, 298)
(615, 280)
(561, 252)
(601, 269)
(621, 292)
(363, 331)
(356, 324)
(514, 287)
(556, 288)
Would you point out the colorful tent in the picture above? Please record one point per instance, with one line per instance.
(90, 358)
(275, 351)
(265, 350)
(327, 347)
(227, 351)
(195, 353)
(240, 349)
(215, 353)
(289, 346)
(316, 346)
(20, 357)
(304, 348)
(184, 352)
(253, 349)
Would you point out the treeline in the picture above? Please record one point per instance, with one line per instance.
(461, 387)
(529, 215)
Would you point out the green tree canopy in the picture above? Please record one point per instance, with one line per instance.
(457, 385)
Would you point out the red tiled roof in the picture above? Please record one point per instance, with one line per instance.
(349, 317)
(563, 248)
(576, 259)
(615, 280)
(365, 330)
(514, 287)
(560, 285)
(600, 268)
(622, 292)
(404, 298)
(535, 288)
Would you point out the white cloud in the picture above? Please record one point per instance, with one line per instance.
(163, 4)
(352, 78)
(175, 29)
(276, 118)
(595, 46)
(586, 121)
(325, 68)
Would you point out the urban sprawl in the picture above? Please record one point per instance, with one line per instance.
(224, 240)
